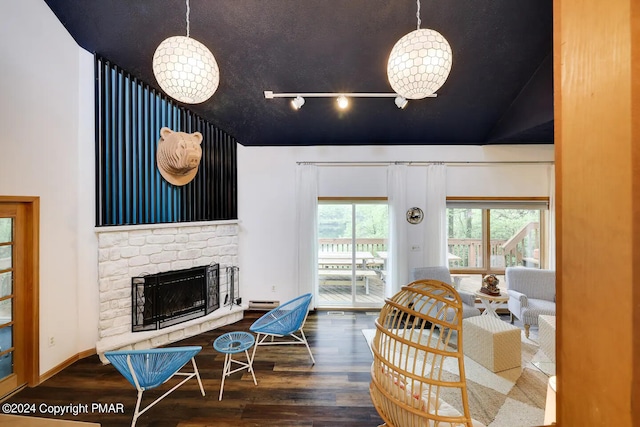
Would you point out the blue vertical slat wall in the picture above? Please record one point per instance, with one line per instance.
(129, 187)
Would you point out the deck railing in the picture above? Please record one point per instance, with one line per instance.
(521, 249)
(345, 245)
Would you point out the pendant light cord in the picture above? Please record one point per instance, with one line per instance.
(188, 10)
(418, 13)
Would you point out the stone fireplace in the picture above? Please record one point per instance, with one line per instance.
(134, 251)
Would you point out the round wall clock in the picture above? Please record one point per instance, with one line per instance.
(415, 215)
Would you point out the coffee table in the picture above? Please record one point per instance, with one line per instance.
(491, 303)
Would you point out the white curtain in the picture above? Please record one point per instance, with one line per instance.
(307, 229)
(398, 252)
(435, 217)
(551, 240)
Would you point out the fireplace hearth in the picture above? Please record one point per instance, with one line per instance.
(165, 299)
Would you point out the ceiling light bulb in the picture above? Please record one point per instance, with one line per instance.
(401, 102)
(297, 102)
(343, 102)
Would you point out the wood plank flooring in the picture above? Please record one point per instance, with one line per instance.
(290, 391)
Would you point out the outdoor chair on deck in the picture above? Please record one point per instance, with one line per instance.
(147, 369)
(283, 321)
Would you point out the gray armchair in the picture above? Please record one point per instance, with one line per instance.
(532, 292)
(442, 274)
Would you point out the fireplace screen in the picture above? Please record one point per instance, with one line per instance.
(165, 299)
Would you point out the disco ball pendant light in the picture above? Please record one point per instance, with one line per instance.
(419, 63)
(185, 69)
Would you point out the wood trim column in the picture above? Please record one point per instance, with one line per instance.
(597, 142)
(32, 306)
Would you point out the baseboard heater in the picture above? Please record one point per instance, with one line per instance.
(263, 305)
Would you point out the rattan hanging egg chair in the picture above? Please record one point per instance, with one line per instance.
(418, 364)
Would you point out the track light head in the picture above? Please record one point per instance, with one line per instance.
(343, 102)
(297, 102)
(401, 102)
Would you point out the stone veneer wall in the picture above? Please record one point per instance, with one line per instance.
(130, 251)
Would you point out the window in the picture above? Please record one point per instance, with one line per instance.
(485, 236)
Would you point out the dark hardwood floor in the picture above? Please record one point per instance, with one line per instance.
(290, 391)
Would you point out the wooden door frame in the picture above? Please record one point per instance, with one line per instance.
(597, 130)
(31, 300)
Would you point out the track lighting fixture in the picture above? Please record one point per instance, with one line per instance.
(401, 102)
(297, 102)
(298, 99)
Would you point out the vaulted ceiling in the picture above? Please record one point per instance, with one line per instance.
(500, 89)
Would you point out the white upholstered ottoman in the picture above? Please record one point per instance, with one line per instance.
(547, 335)
(494, 344)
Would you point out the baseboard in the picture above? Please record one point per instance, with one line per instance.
(70, 361)
(86, 353)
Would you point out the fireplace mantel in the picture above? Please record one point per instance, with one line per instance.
(116, 228)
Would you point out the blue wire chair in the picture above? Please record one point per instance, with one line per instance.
(147, 369)
(283, 321)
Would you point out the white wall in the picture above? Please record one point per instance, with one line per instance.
(266, 185)
(46, 125)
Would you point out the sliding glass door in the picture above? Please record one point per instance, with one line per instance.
(352, 252)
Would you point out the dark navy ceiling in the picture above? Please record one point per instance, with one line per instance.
(500, 89)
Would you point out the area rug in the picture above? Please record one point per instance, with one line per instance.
(511, 398)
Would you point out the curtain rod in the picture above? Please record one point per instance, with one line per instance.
(425, 163)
